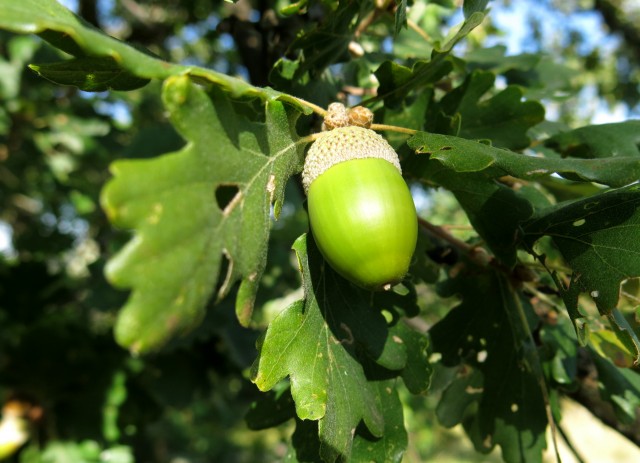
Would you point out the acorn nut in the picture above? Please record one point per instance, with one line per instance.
(361, 211)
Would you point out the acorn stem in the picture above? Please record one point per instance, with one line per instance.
(309, 138)
(415, 27)
(315, 108)
(323, 112)
(393, 128)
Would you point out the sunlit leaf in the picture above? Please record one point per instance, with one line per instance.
(196, 212)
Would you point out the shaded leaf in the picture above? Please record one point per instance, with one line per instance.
(619, 386)
(460, 394)
(495, 59)
(392, 445)
(469, 24)
(328, 42)
(499, 369)
(417, 372)
(561, 347)
(272, 409)
(397, 81)
(306, 444)
(329, 345)
(494, 210)
(538, 75)
(90, 74)
(618, 140)
(570, 297)
(19, 50)
(471, 156)
(298, 7)
(547, 79)
(196, 210)
(607, 344)
(400, 16)
(410, 116)
(472, 6)
(626, 335)
(504, 118)
(597, 237)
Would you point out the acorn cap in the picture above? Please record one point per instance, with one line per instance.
(343, 144)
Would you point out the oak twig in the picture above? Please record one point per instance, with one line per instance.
(393, 128)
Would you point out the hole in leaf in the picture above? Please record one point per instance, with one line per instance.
(226, 196)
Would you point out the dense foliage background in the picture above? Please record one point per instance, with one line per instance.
(523, 294)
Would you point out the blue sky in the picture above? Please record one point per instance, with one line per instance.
(515, 20)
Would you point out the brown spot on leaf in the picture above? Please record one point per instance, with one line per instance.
(271, 187)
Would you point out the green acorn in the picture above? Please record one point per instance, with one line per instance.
(361, 211)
